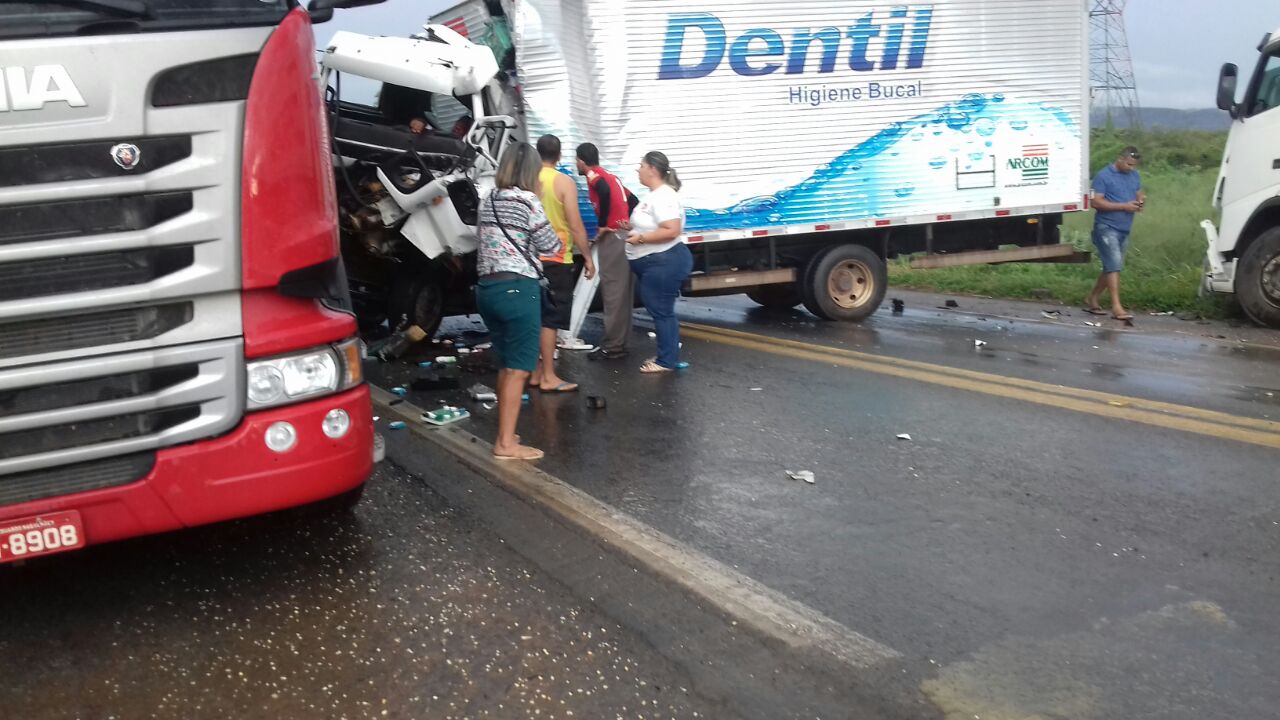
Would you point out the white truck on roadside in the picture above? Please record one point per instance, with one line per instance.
(1244, 249)
(816, 141)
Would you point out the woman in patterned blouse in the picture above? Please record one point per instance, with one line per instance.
(514, 232)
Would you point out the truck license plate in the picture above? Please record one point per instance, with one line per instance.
(40, 535)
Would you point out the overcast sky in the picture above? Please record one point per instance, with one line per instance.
(1177, 45)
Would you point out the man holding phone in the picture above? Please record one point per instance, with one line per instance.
(1117, 197)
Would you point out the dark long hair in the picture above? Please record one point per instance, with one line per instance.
(659, 162)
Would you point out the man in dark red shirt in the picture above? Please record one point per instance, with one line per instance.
(612, 203)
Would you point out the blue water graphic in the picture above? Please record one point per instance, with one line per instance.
(867, 181)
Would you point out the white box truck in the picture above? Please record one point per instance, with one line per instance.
(1244, 250)
(815, 140)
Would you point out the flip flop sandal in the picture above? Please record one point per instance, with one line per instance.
(1095, 311)
(653, 368)
(504, 458)
(564, 387)
(1122, 317)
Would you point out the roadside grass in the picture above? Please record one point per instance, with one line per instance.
(1166, 249)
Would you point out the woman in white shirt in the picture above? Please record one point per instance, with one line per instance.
(659, 257)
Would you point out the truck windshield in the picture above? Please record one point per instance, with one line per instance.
(104, 17)
(1268, 95)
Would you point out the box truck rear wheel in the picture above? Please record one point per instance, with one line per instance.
(782, 296)
(1258, 279)
(845, 282)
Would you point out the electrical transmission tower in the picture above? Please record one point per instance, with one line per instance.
(1110, 67)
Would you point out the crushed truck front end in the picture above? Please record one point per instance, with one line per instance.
(176, 344)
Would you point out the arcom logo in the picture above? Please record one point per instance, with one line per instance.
(47, 83)
(763, 43)
(1034, 163)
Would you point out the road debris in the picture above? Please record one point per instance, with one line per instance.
(399, 391)
(425, 364)
(1090, 323)
(482, 393)
(898, 306)
(1118, 403)
(979, 343)
(445, 415)
(446, 360)
(595, 402)
(1166, 313)
(398, 344)
(434, 382)
(397, 425)
(653, 334)
(951, 304)
(1051, 314)
(756, 389)
(904, 436)
(805, 475)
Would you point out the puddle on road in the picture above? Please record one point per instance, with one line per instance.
(1250, 393)
(1181, 661)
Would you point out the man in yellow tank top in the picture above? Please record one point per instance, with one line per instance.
(559, 195)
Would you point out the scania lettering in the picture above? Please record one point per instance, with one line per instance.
(44, 84)
(177, 345)
(1244, 248)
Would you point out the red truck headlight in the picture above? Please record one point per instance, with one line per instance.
(304, 375)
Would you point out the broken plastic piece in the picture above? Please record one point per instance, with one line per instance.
(484, 346)
(653, 334)
(904, 436)
(445, 415)
(805, 475)
(979, 343)
(1051, 314)
(446, 360)
(682, 365)
(399, 391)
(425, 364)
(482, 393)
(1161, 314)
(1092, 324)
(398, 425)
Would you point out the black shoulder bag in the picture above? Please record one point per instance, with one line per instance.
(549, 302)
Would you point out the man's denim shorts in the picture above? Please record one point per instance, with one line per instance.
(1111, 245)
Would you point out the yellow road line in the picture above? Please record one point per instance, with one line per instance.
(1119, 407)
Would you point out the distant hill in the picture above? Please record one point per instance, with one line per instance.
(1213, 120)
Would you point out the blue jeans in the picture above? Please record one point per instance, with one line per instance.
(1111, 245)
(661, 276)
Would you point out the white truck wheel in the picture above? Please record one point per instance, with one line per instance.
(1258, 279)
(844, 282)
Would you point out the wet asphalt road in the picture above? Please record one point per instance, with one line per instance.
(402, 608)
(1032, 561)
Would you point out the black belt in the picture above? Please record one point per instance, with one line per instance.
(503, 277)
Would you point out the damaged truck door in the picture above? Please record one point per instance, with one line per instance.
(410, 168)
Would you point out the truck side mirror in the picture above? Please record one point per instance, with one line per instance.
(322, 10)
(1227, 89)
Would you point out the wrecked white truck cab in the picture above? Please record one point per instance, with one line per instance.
(411, 167)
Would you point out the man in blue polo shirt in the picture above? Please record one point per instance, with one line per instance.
(1117, 197)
